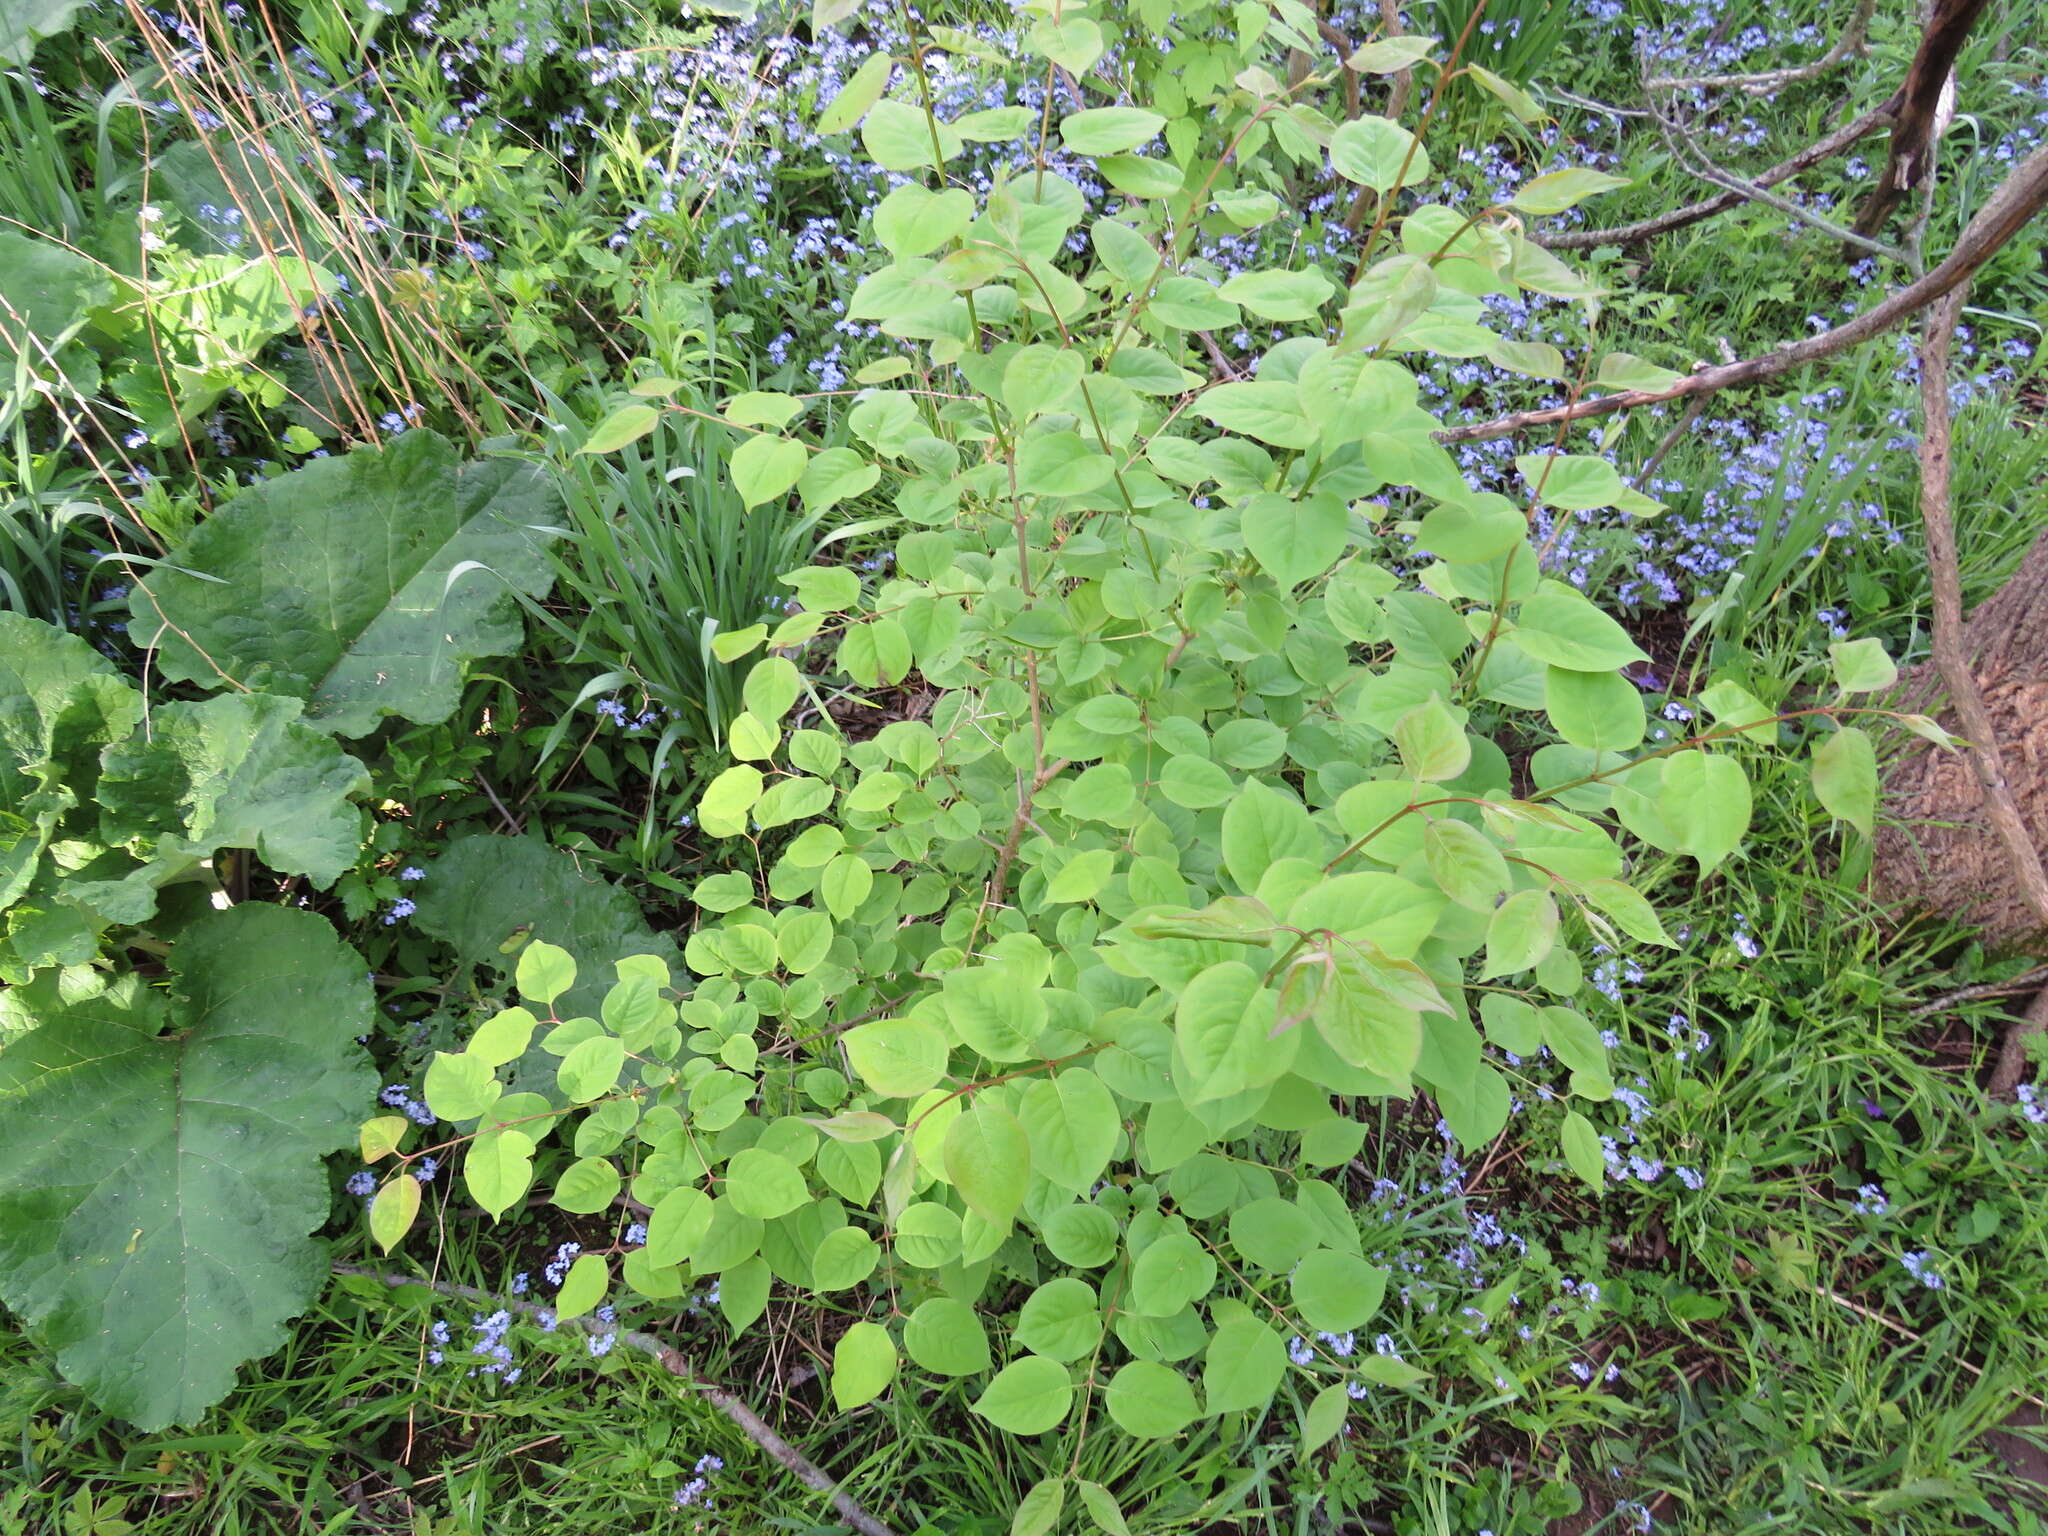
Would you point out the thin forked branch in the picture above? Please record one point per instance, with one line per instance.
(2004, 214)
(1692, 213)
(1763, 82)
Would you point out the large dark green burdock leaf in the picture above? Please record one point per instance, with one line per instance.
(46, 291)
(60, 702)
(235, 771)
(24, 22)
(360, 584)
(485, 888)
(160, 1171)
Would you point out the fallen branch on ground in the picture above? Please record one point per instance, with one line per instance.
(750, 1423)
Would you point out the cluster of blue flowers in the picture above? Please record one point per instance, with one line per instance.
(398, 1096)
(696, 1493)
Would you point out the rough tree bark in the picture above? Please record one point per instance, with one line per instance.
(1948, 856)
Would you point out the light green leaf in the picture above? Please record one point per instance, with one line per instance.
(1845, 778)
(1706, 804)
(1337, 1292)
(1244, 1366)
(1102, 1508)
(393, 1210)
(1039, 378)
(1039, 1510)
(591, 1069)
(913, 221)
(1272, 1233)
(845, 884)
(1173, 1271)
(1600, 710)
(498, 1169)
(1574, 481)
(1323, 1417)
(1268, 411)
(994, 1011)
(1861, 666)
(1261, 826)
(897, 1058)
(1559, 190)
(1559, 626)
(1072, 1123)
(1432, 744)
(863, 1365)
(1150, 1401)
(988, 1159)
(584, 1287)
(1465, 864)
(680, 1220)
(1081, 878)
(1376, 152)
(1295, 540)
(460, 1086)
(835, 475)
(627, 424)
(860, 92)
(1390, 55)
(1061, 464)
(1626, 905)
(1060, 1319)
(1027, 1397)
(1109, 130)
(765, 467)
(843, 1259)
(946, 1337)
(1281, 296)
(1220, 1032)
(722, 810)
(544, 973)
(899, 137)
(1520, 933)
(587, 1186)
(1581, 1145)
(763, 1184)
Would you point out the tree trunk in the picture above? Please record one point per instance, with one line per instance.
(1946, 857)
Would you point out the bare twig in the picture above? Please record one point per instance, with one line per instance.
(1914, 131)
(1671, 439)
(1692, 213)
(1692, 155)
(2024, 982)
(1951, 658)
(2018, 198)
(1762, 83)
(1907, 1333)
(806, 1471)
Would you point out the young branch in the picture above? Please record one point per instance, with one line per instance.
(2003, 215)
(1692, 155)
(806, 1471)
(1762, 83)
(1692, 213)
(1952, 661)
